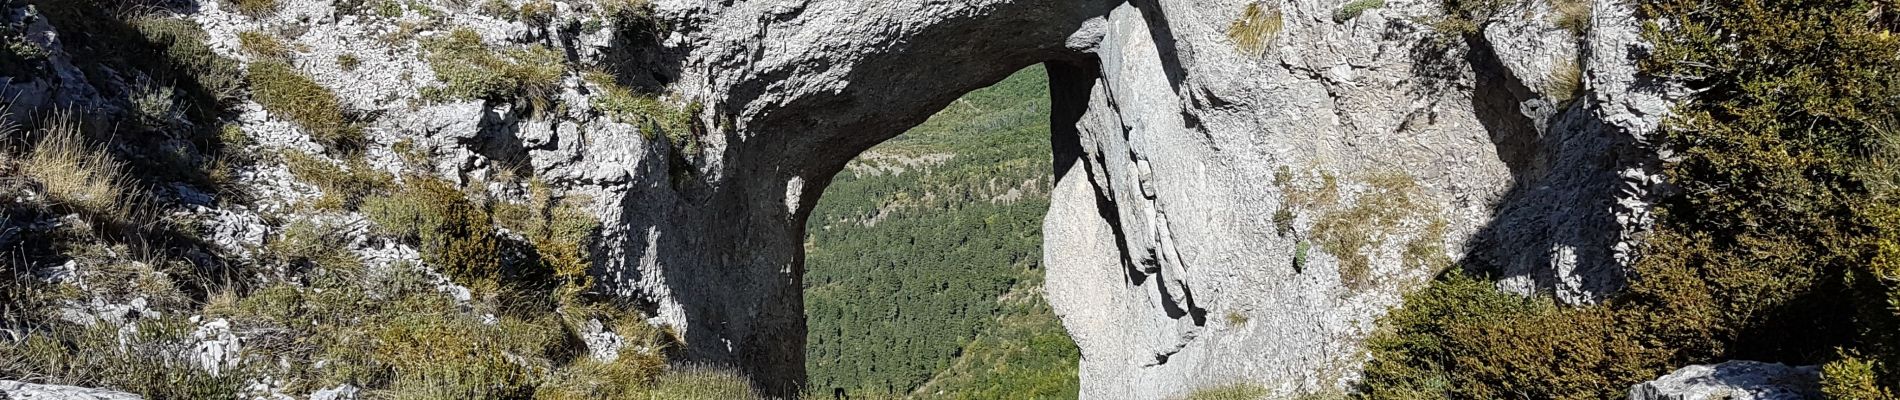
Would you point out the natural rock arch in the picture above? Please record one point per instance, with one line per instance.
(1174, 147)
(783, 121)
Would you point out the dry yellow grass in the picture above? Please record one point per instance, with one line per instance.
(1256, 27)
(75, 175)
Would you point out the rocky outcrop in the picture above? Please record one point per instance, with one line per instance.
(1231, 204)
(1733, 380)
(1392, 149)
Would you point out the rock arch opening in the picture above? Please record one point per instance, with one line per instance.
(923, 258)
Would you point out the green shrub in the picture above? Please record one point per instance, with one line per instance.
(154, 107)
(1851, 377)
(469, 69)
(1353, 9)
(1256, 27)
(291, 95)
(1462, 338)
(453, 233)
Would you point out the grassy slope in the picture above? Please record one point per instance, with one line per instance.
(944, 289)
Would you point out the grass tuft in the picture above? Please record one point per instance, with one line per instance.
(1566, 81)
(263, 45)
(1236, 391)
(469, 69)
(77, 176)
(255, 8)
(1255, 28)
(295, 97)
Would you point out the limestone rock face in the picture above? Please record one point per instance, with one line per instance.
(1224, 211)
(1733, 380)
(1243, 187)
(16, 390)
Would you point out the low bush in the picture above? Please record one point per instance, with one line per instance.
(469, 69)
(1461, 338)
(452, 232)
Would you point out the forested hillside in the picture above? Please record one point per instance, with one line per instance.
(923, 259)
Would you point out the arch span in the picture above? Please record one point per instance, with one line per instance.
(1176, 150)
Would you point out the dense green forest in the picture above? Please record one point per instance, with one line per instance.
(923, 276)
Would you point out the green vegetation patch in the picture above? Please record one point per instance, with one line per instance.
(1353, 9)
(469, 69)
(289, 94)
(1350, 233)
(653, 115)
(1779, 247)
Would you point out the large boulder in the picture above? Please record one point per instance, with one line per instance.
(1733, 380)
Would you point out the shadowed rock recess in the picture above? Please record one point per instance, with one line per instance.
(1242, 187)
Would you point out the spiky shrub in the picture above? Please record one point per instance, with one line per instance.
(1255, 28)
(284, 91)
(1353, 9)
